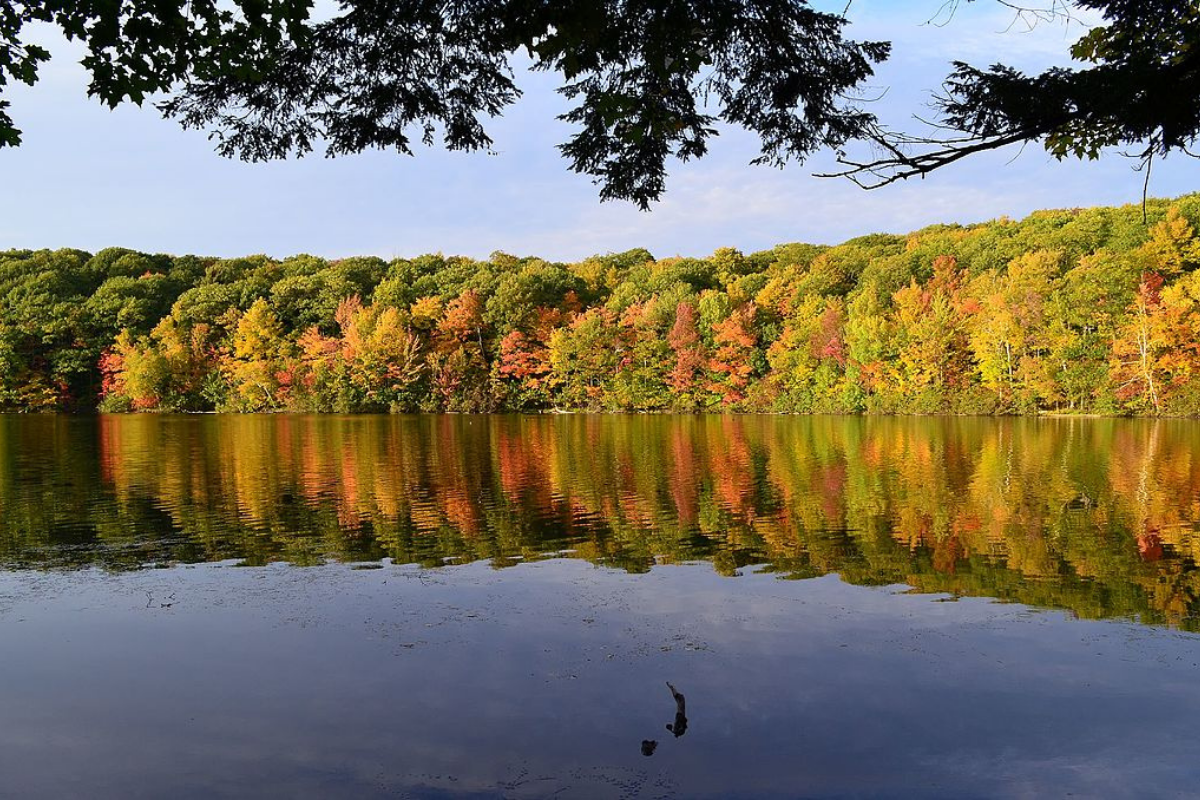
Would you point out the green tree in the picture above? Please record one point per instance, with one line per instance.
(643, 361)
(583, 359)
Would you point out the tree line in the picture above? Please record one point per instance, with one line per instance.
(1072, 311)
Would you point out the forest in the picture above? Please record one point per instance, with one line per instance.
(1080, 311)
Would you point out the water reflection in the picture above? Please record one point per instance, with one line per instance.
(679, 726)
(1095, 516)
(538, 682)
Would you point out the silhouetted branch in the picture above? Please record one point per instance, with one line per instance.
(897, 164)
(1030, 16)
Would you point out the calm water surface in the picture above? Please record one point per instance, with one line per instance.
(453, 606)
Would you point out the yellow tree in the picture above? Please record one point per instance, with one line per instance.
(253, 365)
(189, 359)
(869, 343)
(1008, 331)
(1172, 247)
(809, 358)
(931, 339)
(381, 354)
(1155, 347)
(135, 374)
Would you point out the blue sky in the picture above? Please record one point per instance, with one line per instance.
(88, 177)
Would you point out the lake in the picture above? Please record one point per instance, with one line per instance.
(493, 606)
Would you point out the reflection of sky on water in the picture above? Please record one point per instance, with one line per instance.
(277, 681)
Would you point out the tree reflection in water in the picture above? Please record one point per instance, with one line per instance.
(1094, 516)
(679, 727)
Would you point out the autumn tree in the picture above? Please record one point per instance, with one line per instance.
(643, 361)
(735, 357)
(869, 342)
(1009, 336)
(809, 359)
(583, 359)
(687, 371)
(254, 363)
(1065, 311)
(524, 365)
(1156, 349)
(931, 338)
(376, 362)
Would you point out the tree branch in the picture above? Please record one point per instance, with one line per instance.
(897, 165)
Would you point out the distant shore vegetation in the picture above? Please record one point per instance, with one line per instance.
(1086, 311)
